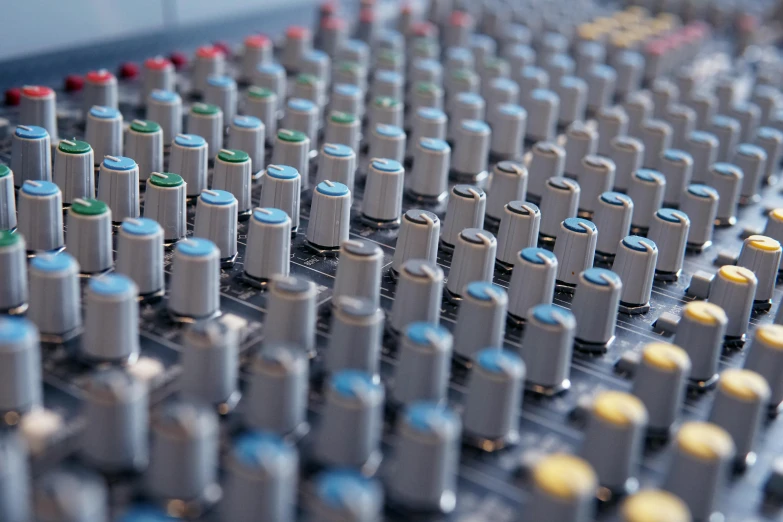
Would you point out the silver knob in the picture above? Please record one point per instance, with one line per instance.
(532, 281)
(473, 260)
(119, 187)
(518, 230)
(424, 472)
(465, 209)
(700, 204)
(206, 120)
(195, 281)
(165, 108)
(417, 239)
(660, 382)
(382, 203)
(248, 134)
(581, 141)
(635, 264)
(764, 358)
(614, 439)
(291, 313)
(547, 348)
(330, 215)
(542, 109)
(184, 448)
(702, 454)
(482, 304)
(13, 262)
(189, 158)
(627, 154)
(596, 176)
(700, 333)
(41, 215)
(165, 202)
(355, 336)
(282, 186)
(55, 295)
(656, 135)
(350, 430)
(419, 294)
(345, 495)
(261, 480)
(508, 182)
(31, 156)
(343, 128)
(221, 91)
(734, 289)
(359, 271)
(111, 319)
(216, 221)
(144, 143)
(268, 244)
(741, 399)
(703, 149)
(292, 148)
(276, 395)
(471, 149)
(595, 307)
(612, 217)
(140, 254)
(74, 170)
(116, 421)
(209, 61)
(90, 235)
(38, 106)
(388, 142)
(430, 174)
(20, 354)
(575, 250)
(424, 363)
(7, 199)
(210, 365)
(261, 103)
(563, 489)
(494, 398)
(677, 168)
(645, 188)
(669, 231)
(233, 173)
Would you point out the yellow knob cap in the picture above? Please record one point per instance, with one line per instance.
(771, 335)
(705, 313)
(666, 357)
(654, 505)
(619, 408)
(565, 476)
(737, 274)
(745, 385)
(705, 441)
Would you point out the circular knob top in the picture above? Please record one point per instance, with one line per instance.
(217, 197)
(53, 263)
(119, 163)
(332, 188)
(140, 226)
(196, 247)
(31, 132)
(74, 147)
(88, 207)
(271, 216)
(39, 188)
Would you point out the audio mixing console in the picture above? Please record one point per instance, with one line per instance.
(457, 260)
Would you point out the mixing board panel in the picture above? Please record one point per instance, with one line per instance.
(499, 260)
